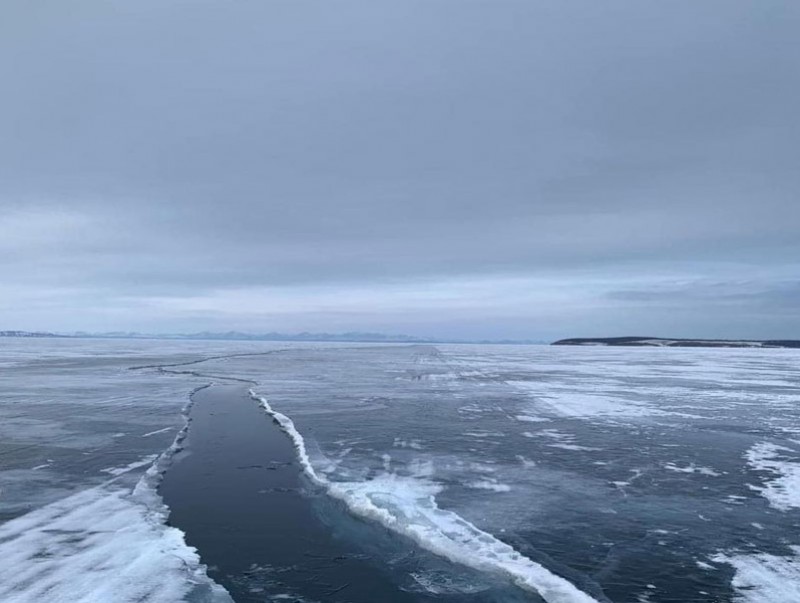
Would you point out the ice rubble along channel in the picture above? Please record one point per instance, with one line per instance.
(408, 507)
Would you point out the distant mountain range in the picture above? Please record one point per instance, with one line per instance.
(353, 336)
(661, 342)
(29, 334)
(239, 336)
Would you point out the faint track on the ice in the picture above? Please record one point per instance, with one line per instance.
(168, 368)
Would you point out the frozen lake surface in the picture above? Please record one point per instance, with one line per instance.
(460, 472)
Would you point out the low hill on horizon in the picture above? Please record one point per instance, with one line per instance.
(663, 342)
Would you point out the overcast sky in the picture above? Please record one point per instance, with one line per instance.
(452, 168)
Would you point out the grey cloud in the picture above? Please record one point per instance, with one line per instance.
(770, 296)
(175, 149)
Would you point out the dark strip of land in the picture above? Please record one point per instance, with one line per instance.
(679, 343)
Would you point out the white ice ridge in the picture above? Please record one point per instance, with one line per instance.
(100, 544)
(783, 492)
(408, 506)
(764, 578)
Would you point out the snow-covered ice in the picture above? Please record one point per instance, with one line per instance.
(101, 544)
(573, 472)
(765, 578)
(782, 490)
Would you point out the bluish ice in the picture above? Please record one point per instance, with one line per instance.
(574, 474)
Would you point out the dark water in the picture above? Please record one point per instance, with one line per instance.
(267, 533)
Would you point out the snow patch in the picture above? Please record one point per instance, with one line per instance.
(531, 419)
(576, 447)
(692, 468)
(117, 471)
(486, 484)
(100, 544)
(782, 492)
(579, 404)
(482, 433)
(413, 444)
(764, 578)
(565, 441)
(152, 433)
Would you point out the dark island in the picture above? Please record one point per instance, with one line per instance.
(662, 342)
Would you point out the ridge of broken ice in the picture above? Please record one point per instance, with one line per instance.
(407, 505)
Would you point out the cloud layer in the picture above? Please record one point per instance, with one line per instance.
(451, 168)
